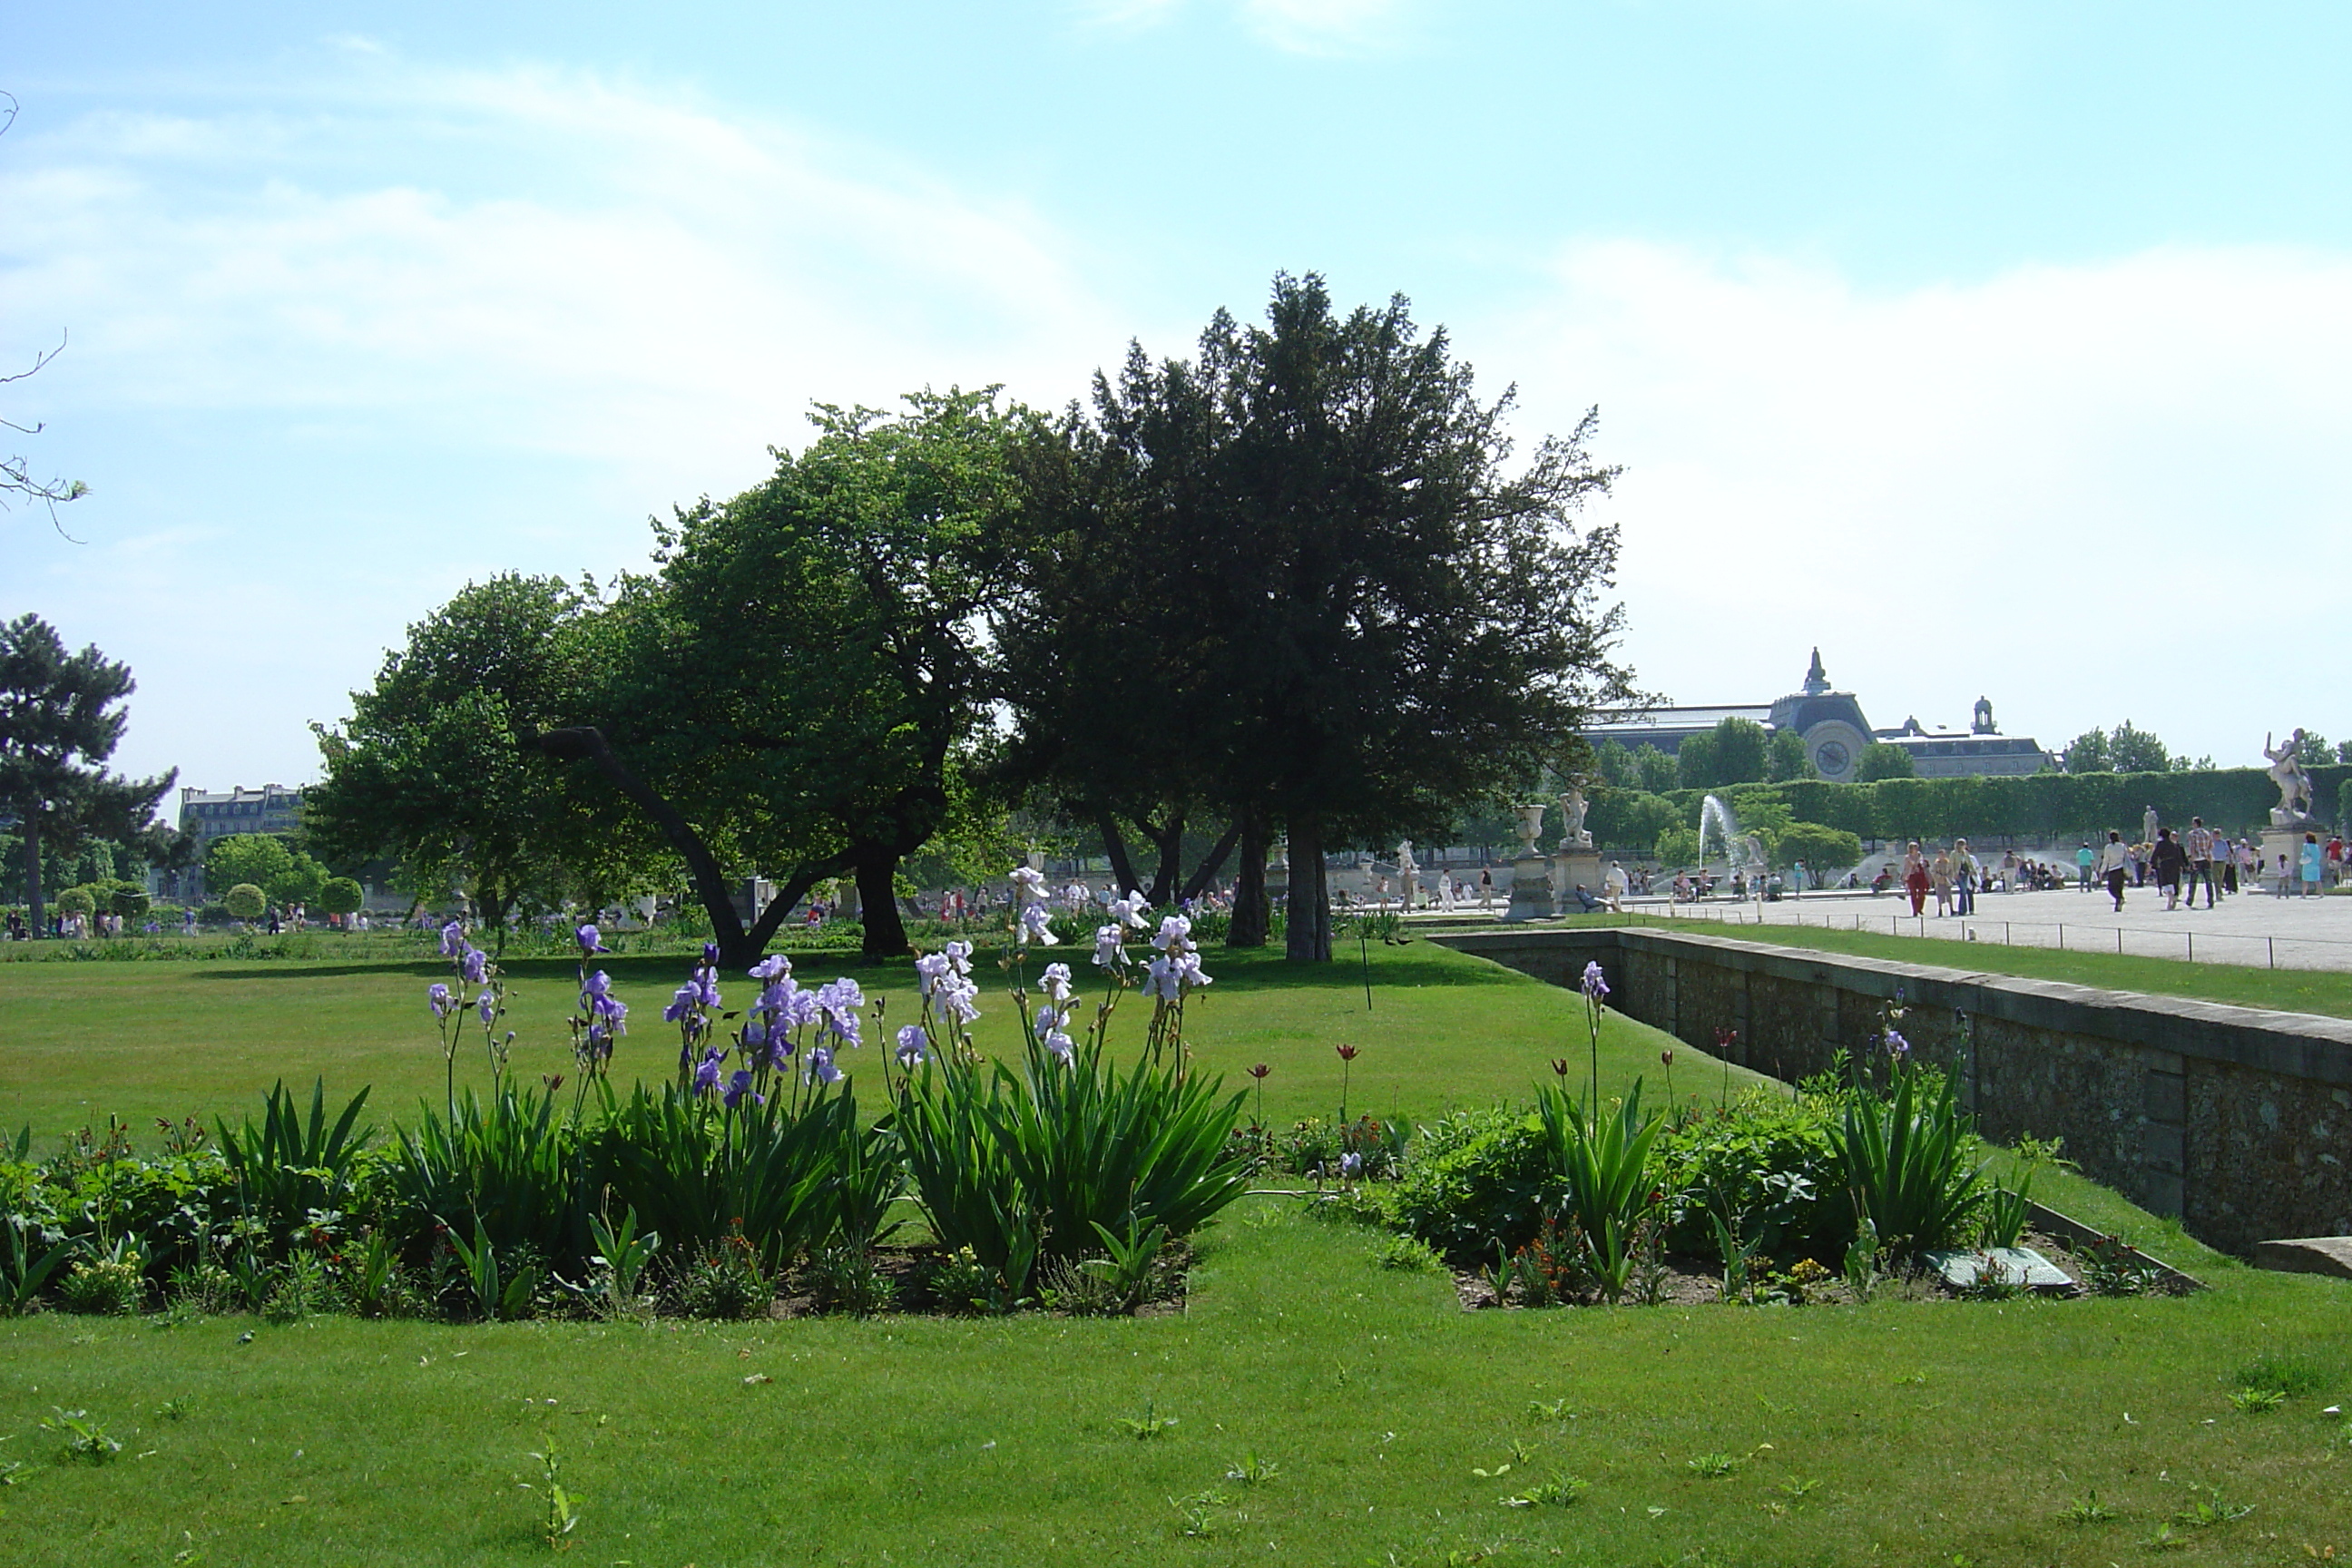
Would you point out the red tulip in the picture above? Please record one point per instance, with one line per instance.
(1559, 1066)
(1260, 1070)
(1346, 1053)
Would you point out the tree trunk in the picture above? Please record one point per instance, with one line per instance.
(1122, 868)
(1309, 915)
(1170, 842)
(1249, 924)
(33, 868)
(878, 894)
(1206, 875)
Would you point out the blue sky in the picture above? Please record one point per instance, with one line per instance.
(1995, 348)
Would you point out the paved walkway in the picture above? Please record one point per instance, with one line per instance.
(2252, 929)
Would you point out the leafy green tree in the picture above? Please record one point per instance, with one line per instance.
(1788, 761)
(1392, 617)
(2132, 749)
(244, 902)
(299, 883)
(2088, 753)
(427, 771)
(2313, 751)
(1629, 819)
(61, 719)
(2344, 802)
(1824, 850)
(786, 696)
(1697, 764)
(1614, 766)
(1658, 771)
(1883, 760)
(260, 859)
(2344, 751)
(341, 896)
(1678, 847)
(1739, 751)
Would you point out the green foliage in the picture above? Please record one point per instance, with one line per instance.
(1478, 1180)
(1605, 1161)
(285, 1170)
(1655, 772)
(1786, 759)
(1906, 1159)
(2005, 1210)
(1630, 819)
(1883, 760)
(244, 902)
(502, 1169)
(341, 896)
(1696, 763)
(1677, 847)
(1761, 1169)
(77, 901)
(1822, 849)
(1038, 1162)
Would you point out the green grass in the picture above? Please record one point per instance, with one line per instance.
(2325, 992)
(147, 1040)
(1928, 1430)
(1898, 1433)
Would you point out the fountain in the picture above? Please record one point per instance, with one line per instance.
(1742, 852)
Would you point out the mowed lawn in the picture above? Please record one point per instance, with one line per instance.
(81, 1041)
(1922, 1433)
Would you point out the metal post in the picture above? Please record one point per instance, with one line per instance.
(2119, 941)
(2272, 942)
(2192, 945)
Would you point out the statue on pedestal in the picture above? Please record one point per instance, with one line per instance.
(1409, 873)
(2294, 783)
(1572, 808)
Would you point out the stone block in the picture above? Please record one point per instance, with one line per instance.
(2307, 1255)
(2167, 1097)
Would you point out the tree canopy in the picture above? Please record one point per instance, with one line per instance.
(62, 716)
(1363, 613)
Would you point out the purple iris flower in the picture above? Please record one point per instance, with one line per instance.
(773, 968)
(1896, 1046)
(487, 1005)
(911, 1046)
(613, 1011)
(453, 937)
(597, 985)
(738, 1087)
(591, 940)
(710, 955)
(436, 997)
(1595, 985)
(821, 1068)
(600, 1044)
(706, 1071)
(681, 1003)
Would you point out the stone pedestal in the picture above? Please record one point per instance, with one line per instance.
(1571, 866)
(1530, 888)
(2280, 839)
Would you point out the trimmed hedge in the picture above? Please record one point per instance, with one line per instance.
(2233, 800)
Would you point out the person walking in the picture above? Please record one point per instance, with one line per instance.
(1939, 877)
(1964, 873)
(2168, 860)
(2314, 864)
(1914, 877)
(2084, 861)
(2115, 867)
(2199, 848)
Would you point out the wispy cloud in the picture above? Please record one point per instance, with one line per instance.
(1328, 28)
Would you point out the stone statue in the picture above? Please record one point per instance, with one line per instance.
(1406, 861)
(1409, 873)
(2147, 825)
(1530, 826)
(2294, 783)
(1572, 808)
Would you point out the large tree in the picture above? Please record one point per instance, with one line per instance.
(787, 696)
(1359, 614)
(61, 719)
(427, 771)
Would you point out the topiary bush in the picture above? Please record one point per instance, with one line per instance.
(244, 902)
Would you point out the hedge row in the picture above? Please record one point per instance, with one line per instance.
(2233, 800)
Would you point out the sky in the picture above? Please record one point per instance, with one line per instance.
(1996, 349)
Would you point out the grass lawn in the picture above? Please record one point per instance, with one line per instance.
(2325, 992)
(1894, 1433)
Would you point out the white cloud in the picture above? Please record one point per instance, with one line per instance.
(331, 358)
(2086, 492)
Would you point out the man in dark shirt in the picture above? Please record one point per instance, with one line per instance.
(2168, 860)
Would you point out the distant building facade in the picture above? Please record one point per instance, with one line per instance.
(1835, 732)
(204, 817)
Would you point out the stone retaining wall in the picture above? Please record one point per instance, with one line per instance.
(2234, 1119)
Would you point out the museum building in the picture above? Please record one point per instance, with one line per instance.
(1835, 732)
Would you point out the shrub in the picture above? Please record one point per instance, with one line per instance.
(244, 902)
(1476, 1180)
(77, 901)
(114, 1286)
(340, 895)
(1765, 1167)
(1905, 1160)
(1612, 1195)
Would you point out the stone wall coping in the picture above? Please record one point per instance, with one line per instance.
(2294, 1045)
